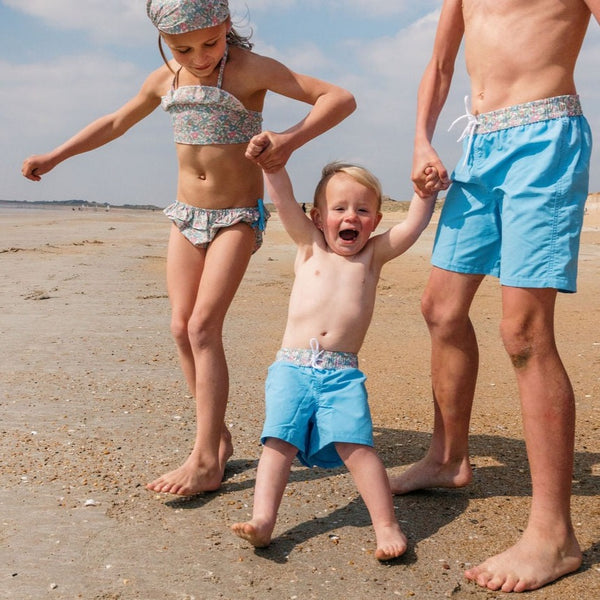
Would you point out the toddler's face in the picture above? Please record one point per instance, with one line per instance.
(347, 215)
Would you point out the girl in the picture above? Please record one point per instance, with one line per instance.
(214, 89)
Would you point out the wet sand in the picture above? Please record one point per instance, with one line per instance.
(93, 406)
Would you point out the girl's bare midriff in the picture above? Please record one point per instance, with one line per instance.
(217, 176)
(506, 64)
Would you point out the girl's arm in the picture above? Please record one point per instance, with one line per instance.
(298, 226)
(330, 105)
(433, 91)
(101, 131)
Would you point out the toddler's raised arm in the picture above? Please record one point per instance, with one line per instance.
(299, 227)
(402, 236)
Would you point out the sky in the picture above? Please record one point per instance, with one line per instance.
(63, 63)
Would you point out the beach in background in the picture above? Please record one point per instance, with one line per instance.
(93, 406)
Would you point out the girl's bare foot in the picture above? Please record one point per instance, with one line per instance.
(391, 542)
(225, 449)
(534, 561)
(428, 473)
(258, 534)
(190, 479)
(187, 480)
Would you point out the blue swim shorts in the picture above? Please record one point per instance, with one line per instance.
(515, 208)
(312, 408)
(201, 225)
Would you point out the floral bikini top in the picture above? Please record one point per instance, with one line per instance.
(204, 115)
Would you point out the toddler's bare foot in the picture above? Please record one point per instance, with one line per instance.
(391, 542)
(534, 561)
(259, 535)
(430, 474)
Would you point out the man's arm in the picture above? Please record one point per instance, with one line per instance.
(594, 6)
(433, 91)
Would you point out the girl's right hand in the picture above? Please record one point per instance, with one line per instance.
(266, 150)
(37, 165)
(256, 146)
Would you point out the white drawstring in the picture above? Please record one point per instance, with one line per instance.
(469, 129)
(316, 353)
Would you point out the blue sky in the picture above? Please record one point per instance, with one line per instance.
(64, 63)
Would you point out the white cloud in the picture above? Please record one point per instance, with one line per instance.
(301, 58)
(382, 8)
(121, 21)
(370, 9)
(66, 92)
(242, 6)
(45, 102)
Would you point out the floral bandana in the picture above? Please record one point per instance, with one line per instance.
(181, 16)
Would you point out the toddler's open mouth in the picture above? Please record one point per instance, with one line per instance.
(349, 235)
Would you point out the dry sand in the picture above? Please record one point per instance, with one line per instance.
(93, 406)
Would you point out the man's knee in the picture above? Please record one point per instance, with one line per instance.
(527, 325)
(521, 339)
(446, 302)
(442, 317)
(431, 308)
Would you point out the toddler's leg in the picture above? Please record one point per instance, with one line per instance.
(372, 482)
(271, 478)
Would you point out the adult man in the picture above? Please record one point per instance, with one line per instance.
(514, 210)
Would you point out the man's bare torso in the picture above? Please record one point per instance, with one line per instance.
(521, 50)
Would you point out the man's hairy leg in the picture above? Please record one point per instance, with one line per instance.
(548, 548)
(454, 364)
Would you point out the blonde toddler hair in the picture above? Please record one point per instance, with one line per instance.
(358, 173)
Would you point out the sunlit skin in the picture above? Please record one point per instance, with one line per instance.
(337, 267)
(202, 282)
(515, 52)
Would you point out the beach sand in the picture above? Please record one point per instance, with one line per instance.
(93, 406)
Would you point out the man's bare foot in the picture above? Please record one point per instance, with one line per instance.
(430, 474)
(534, 561)
(391, 542)
(258, 534)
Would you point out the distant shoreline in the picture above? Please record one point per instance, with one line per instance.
(388, 205)
(75, 205)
